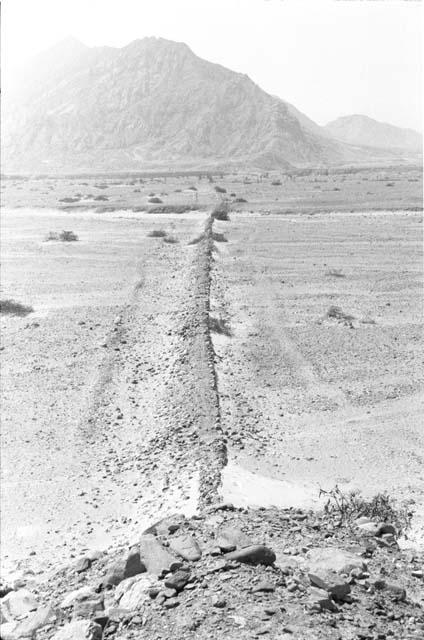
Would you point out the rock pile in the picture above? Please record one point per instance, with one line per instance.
(230, 573)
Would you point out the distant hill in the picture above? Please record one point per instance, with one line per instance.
(152, 103)
(362, 130)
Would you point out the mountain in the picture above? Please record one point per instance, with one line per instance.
(362, 130)
(152, 103)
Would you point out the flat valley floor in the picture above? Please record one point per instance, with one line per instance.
(315, 320)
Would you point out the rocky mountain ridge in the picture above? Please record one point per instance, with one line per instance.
(150, 104)
(362, 130)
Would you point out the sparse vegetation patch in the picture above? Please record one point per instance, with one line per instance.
(157, 233)
(221, 211)
(63, 236)
(12, 308)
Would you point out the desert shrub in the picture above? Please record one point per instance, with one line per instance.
(352, 505)
(51, 236)
(276, 183)
(219, 325)
(338, 314)
(197, 239)
(220, 189)
(155, 200)
(12, 308)
(192, 188)
(68, 236)
(102, 198)
(368, 320)
(101, 186)
(390, 184)
(221, 211)
(232, 195)
(240, 200)
(68, 200)
(170, 240)
(157, 233)
(171, 208)
(219, 237)
(335, 273)
(177, 190)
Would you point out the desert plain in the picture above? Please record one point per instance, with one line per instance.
(152, 377)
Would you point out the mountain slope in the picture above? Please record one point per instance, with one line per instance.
(362, 130)
(152, 102)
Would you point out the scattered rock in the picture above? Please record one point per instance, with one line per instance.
(27, 627)
(177, 580)
(17, 604)
(79, 630)
(126, 568)
(156, 558)
(332, 559)
(186, 547)
(265, 586)
(88, 609)
(331, 583)
(320, 600)
(85, 593)
(397, 592)
(82, 565)
(255, 554)
(218, 602)
(134, 592)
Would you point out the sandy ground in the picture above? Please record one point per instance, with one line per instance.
(311, 401)
(95, 386)
(111, 405)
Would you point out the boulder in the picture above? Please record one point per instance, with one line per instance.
(82, 565)
(85, 593)
(320, 600)
(155, 557)
(233, 536)
(129, 566)
(186, 547)
(331, 583)
(79, 630)
(134, 592)
(255, 554)
(18, 604)
(88, 609)
(35, 621)
(177, 580)
(328, 559)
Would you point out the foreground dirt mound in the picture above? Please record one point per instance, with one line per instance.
(232, 573)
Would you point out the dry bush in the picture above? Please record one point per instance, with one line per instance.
(192, 188)
(221, 211)
(351, 506)
(220, 189)
(219, 325)
(12, 308)
(240, 200)
(276, 183)
(338, 314)
(155, 200)
(219, 237)
(157, 233)
(170, 240)
(197, 239)
(68, 236)
(172, 208)
(335, 273)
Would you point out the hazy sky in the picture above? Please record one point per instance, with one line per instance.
(327, 57)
